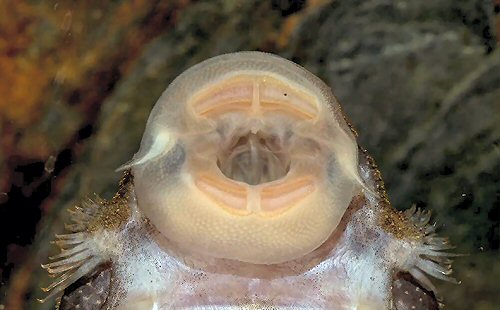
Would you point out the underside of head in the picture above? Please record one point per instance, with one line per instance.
(246, 156)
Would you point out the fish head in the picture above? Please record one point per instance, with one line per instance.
(248, 190)
(247, 156)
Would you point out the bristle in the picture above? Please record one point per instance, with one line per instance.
(63, 267)
(65, 243)
(441, 259)
(430, 258)
(66, 253)
(93, 238)
(78, 254)
(409, 212)
(439, 247)
(76, 236)
(433, 239)
(72, 259)
(422, 279)
(429, 228)
(66, 279)
(432, 254)
(70, 265)
(74, 227)
(433, 268)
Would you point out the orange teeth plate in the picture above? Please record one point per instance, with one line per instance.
(228, 194)
(255, 96)
(267, 199)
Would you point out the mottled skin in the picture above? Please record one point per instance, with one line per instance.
(120, 255)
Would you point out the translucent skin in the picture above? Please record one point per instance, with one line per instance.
(249, 191)
(351, 270)
(333, 277)
(209, 107)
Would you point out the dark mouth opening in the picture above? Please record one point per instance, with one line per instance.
(254, 159)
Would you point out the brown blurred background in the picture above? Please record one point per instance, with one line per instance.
(420, 80)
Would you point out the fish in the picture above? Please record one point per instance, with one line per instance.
(249, 191)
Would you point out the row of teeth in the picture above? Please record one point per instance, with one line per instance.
(254, 95)
(251, 164)
(267, 199)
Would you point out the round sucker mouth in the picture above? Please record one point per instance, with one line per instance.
(254, 159)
